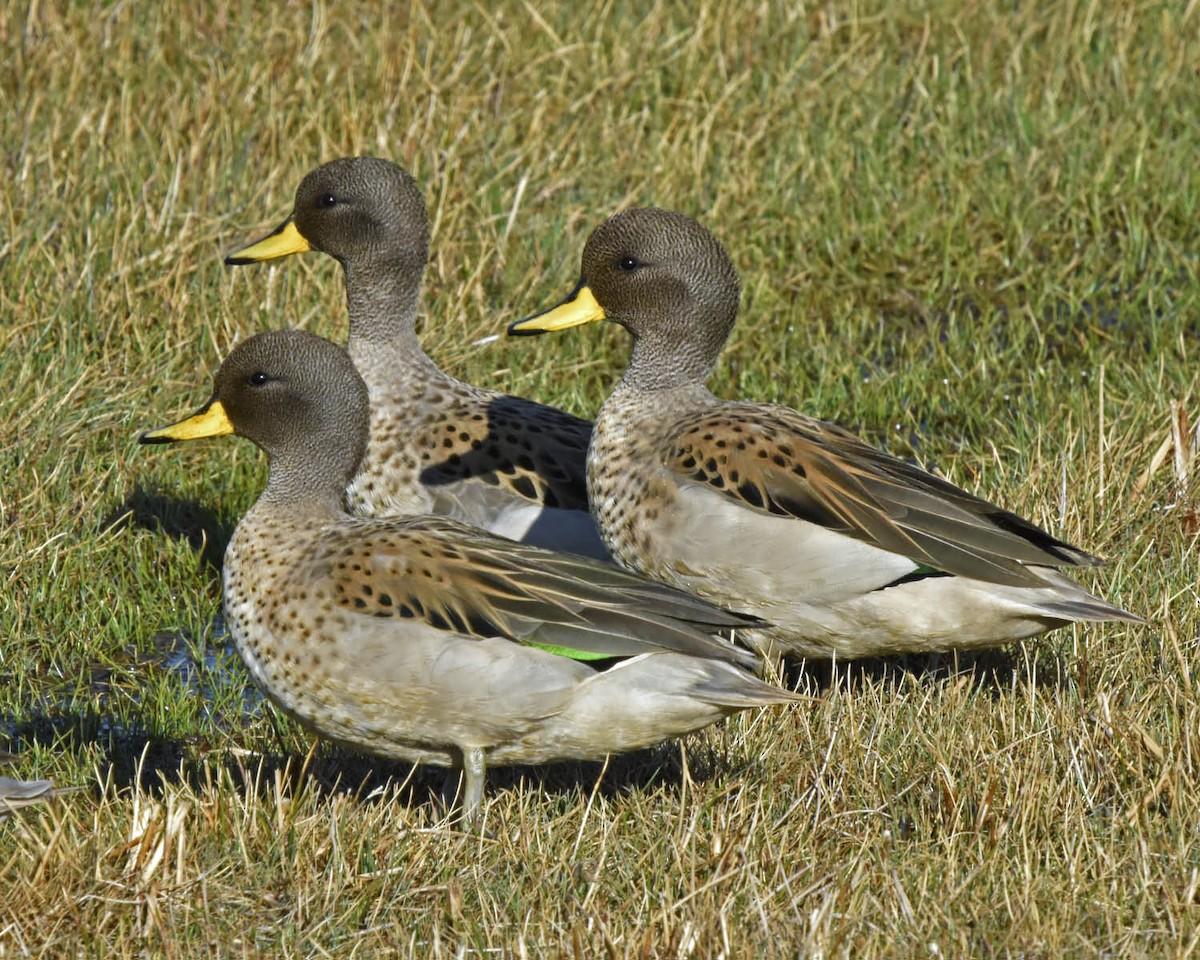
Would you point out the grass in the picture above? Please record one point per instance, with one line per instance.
(965, 230)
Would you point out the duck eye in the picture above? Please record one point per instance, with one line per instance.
(258, 379)
(328, 200)
(628, 264)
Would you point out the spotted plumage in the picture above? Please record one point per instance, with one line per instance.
(436, 445)
(425, 639)
(845, 549)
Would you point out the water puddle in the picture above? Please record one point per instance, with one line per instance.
(104, 705)
(209, 669)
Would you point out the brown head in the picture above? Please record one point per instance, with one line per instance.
(664, 278)
(299, 398)
(365, 211)
(359, 210)
(369, 215)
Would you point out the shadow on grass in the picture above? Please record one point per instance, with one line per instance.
(128, 757)
(205, 530)
(992, 672)
(128, 754)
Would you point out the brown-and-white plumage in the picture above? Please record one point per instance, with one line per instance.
(437, 445)
(423, 638)
(845, 549)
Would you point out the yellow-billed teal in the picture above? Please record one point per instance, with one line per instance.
(846, 550)
(423, 638)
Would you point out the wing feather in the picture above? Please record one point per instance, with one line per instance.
(773, 459)
(458, 578)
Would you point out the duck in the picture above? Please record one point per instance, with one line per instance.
(847, 551)
(424, 639)
(437, 445)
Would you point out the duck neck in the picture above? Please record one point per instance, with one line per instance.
(312, 474)
(639, 394)
(660, 367)
(382, 300)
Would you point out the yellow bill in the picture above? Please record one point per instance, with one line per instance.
(280, 242)
(209, 421)
(579, 308)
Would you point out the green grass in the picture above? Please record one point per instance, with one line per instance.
(966, 230)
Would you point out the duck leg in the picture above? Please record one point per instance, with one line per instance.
(474, 770)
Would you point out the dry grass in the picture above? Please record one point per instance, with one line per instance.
(966, 231)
